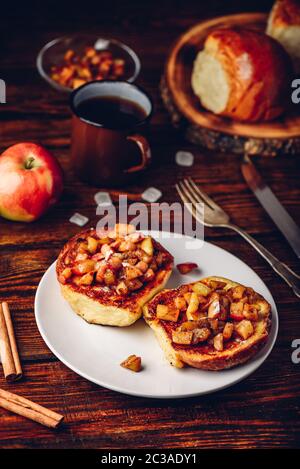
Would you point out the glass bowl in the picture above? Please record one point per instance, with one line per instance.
(52, 54)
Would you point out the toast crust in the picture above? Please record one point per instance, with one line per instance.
(204, 355)
(101, 304)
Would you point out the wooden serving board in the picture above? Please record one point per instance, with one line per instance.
(281, 136)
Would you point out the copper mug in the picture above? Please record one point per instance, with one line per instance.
(103, 154)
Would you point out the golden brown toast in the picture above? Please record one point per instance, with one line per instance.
(108, 277)
(212, 324)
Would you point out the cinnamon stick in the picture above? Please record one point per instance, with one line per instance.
(21, 406)
(8, 347)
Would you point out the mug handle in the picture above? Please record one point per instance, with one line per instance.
(145, 150)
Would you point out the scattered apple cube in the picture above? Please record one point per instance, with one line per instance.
(182, 337)
(214, 308)
(228, 330)
(132, 363)
(86, 279)
(201, 289)
(147, 246)
(263, 307)
(67, 272)
(218, 342)
(250, 312)
(186, 267)
(244, 329)
(236, 311)
(187, 296)
(92, 244)
(238, 292)
(84, 267)
(180, 303)
(200, 335)
(193, 306)
(167, 314)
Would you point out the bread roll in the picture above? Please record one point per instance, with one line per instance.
(284, 26)
(242, 74)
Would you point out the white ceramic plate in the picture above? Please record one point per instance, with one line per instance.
(95, 352)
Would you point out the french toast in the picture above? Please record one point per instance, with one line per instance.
(212, 324)
(107, 276)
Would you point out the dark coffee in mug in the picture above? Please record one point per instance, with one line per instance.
(112, 112)
(109, 117)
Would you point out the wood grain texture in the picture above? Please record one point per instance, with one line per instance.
(262, 411)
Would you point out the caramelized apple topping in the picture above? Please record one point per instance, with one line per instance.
(119, 258)
(210, 312)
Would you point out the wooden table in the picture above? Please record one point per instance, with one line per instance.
(263, 410)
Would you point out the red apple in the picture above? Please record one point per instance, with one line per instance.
(31, 181)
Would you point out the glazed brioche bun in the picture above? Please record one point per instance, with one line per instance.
(284, 26)
(242, 74)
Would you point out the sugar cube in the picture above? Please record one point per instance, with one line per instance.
(184, 158)
(79, 219)
(151, 194)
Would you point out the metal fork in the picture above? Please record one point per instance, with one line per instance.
(214, 216)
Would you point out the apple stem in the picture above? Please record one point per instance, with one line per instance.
(29, 163)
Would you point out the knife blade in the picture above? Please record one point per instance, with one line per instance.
(271, 204)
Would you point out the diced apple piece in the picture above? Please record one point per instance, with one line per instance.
(214, 324)
(134, 284)
(250, 312)
(192, 325)
(109, 277)
(76, 280)
(200, 335)
(81, 256)
(65, 275)
(132, 363)
(263, 307)
(236, 311)
(218, 342)
(244, 329)
(122, 229)
(214, 308)
(215, 284)
(115, 263)
(86, 279)
(82, 247)
(149, 275)
(122, 288)
(193, 306)
(132, 272)
(187, 296)
(201, 289)
(143, 266)
(180, 303)
(84, 267)
(126, 246)
(147, 246)
(182, 337)
(67, 272)
(186, 267)
(167, 314)
(228, 330)
(92, 244)
(104, 240)
(238, 292)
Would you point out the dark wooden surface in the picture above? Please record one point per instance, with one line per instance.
(263, 410)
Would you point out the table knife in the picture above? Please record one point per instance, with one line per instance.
(271, 204)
